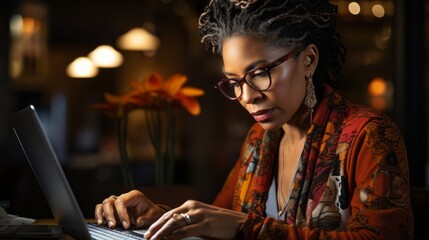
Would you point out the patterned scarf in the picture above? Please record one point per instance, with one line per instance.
(318, 163)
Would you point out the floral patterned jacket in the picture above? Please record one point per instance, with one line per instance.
(351, 183)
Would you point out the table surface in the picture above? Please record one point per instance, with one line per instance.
(64, 236)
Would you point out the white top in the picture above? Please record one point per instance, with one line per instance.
(272, 204)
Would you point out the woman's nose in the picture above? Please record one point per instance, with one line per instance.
(249, 95)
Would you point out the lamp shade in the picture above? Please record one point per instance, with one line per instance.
(138, 39)
(82, 67)
(106, 56)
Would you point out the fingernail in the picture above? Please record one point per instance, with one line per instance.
(99, 221)
(125, 224)
(147, 235)
(110, 223)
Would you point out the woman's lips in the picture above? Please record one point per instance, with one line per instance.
(262, 115)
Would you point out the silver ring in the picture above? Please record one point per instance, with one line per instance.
(186, 217)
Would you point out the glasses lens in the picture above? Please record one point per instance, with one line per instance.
(259, 79)
(230, 88)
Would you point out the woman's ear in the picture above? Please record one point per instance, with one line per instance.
(310, 58)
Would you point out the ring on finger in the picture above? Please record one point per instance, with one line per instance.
(186, 217)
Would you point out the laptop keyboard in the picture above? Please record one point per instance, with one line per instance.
(100, 232)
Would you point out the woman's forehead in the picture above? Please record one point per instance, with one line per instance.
(245, 47)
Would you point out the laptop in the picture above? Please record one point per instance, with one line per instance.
(50, 176)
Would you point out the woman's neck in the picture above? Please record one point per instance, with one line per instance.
(297, 127)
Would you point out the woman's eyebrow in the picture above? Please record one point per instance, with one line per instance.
(248, 68)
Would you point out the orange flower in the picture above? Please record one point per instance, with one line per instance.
(171, 90)
(153, 83)
(186, 96)
(117, 106)
(153, 93)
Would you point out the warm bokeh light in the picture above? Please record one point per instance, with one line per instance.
(378, 10)
(106, 56)
(354, 8)
(24, 26)
(138, 39)
(16, 24)
(82, 67)
(377, 87)
(30, 25)
(381, 93)
(379, 103)
(366, 8)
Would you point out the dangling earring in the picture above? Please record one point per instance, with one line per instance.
(310, 97)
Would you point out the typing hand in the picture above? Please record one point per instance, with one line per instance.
(194, 218)
(132, 208)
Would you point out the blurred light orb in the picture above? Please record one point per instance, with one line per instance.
(354, 8)
(378, 87)
(378, 10)
(82, 67)
(106, 56)
(138, 39)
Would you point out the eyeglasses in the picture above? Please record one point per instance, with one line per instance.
(259, 79)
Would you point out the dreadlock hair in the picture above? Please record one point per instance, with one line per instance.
(281, 23)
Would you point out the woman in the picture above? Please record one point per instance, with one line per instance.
(314, 165)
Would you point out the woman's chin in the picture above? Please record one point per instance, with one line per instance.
(270, 126)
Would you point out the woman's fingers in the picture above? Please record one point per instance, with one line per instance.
(197, 219)
(108, 209)
(170, 225)
(121, 209)
(175, 220)
(128, 209)
(186, 231)
(99, 214)
(132, 208)
(159, 223)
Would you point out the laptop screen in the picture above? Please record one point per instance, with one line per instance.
(48, 172)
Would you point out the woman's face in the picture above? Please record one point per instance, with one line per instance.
(278, 104)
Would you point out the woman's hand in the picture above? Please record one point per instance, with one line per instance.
(197, 219)
(132, 208)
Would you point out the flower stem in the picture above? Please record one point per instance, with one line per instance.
(155, 134)
(169, 145)
(162, 142)
(122, 142)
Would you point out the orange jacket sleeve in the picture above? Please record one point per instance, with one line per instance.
(225, 197)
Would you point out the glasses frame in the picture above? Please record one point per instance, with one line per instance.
(266, 68)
